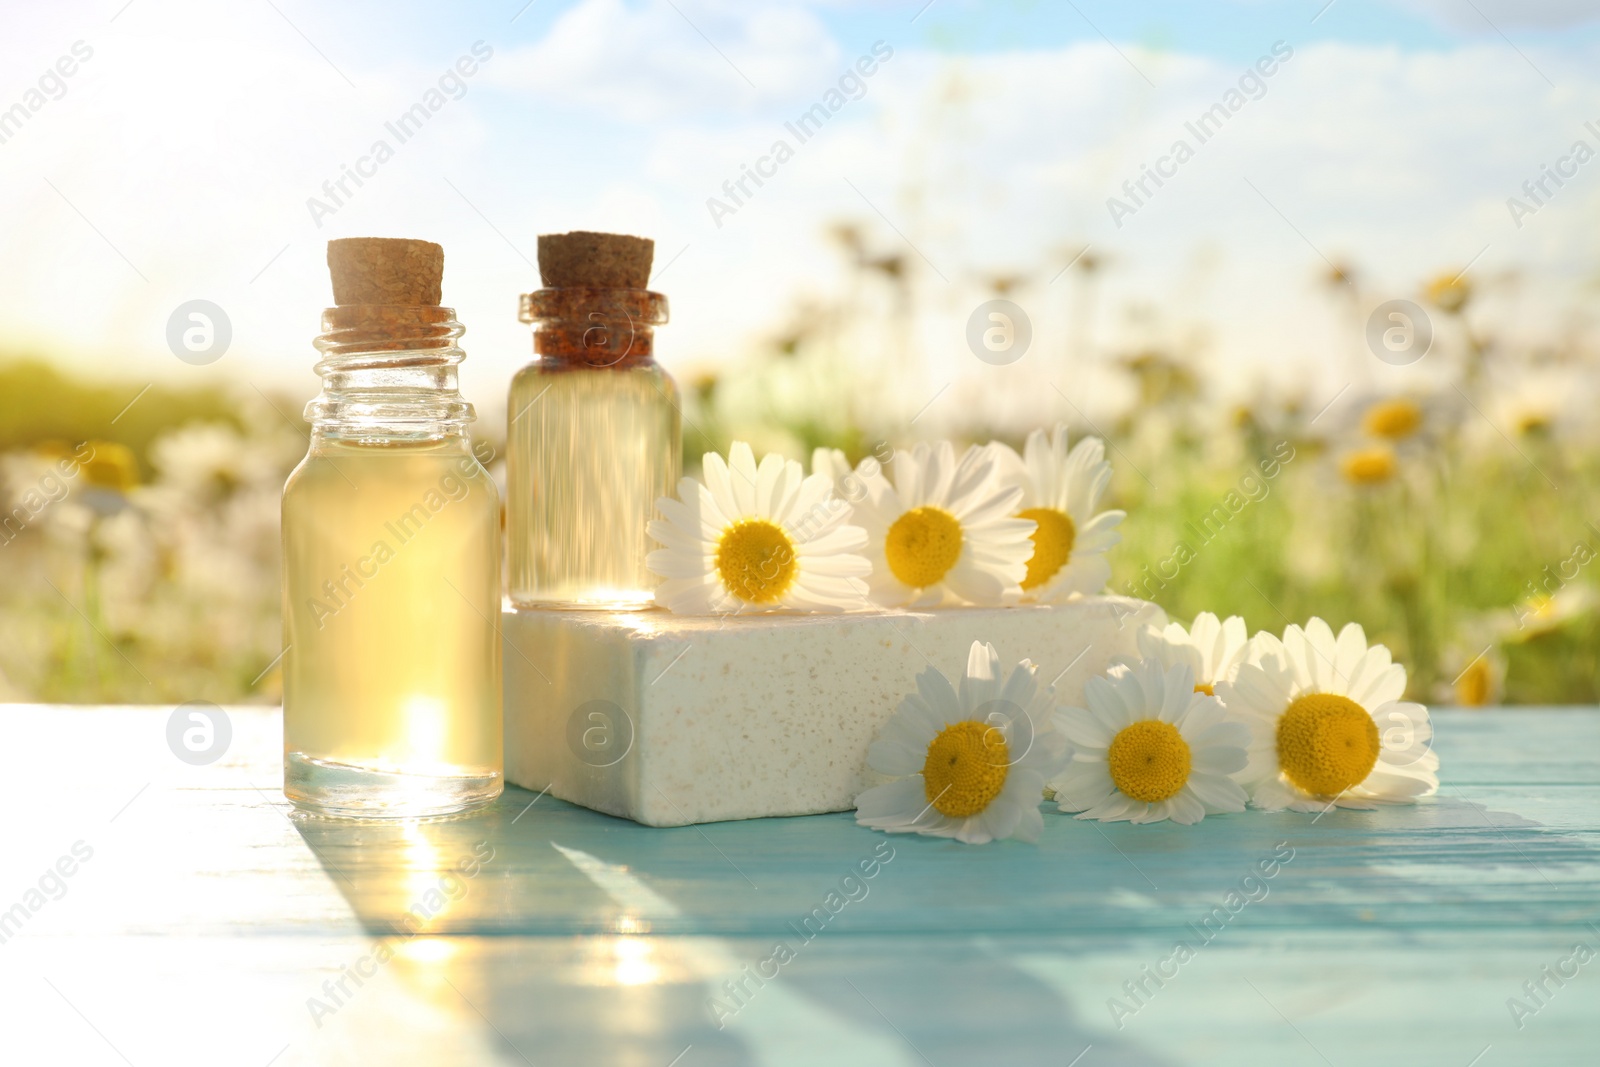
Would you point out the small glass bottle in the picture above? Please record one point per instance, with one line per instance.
(391, 538)
(593, 430)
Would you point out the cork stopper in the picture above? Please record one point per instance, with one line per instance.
(582, 259)
(385, 270)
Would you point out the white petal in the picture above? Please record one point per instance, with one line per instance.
(983, 587)
(1375, 687)
(896, 804)
(941, 697)
(1217, 792)
(892, 757)
(1002, 816)
(1082, 727)
(1349, 650)
(1185, 808)
(1113, 808)
(1082, 785)
(1273, 795)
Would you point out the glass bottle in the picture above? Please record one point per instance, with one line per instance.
(593, 440)
(391, 534)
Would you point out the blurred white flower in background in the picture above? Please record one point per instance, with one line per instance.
(180, 572)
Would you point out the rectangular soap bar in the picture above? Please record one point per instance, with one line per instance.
(670, 720)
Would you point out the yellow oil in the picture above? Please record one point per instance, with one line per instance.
(590, 450)
(391, 608)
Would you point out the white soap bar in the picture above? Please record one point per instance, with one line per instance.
(670, 720)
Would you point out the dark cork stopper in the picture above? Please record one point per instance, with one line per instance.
(582, 259)
(385, 270)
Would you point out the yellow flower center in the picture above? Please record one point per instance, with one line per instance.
(965, 768)
(1205, 687)
(1475, 687)
(1540, 614)
(1326, 743)
(111, 466)
(756, 560)
(1052, 544)
(922, 546)
(1532, 422)
(1450, 292)
(1393, 419)
(1369, 466)
(1149, 761)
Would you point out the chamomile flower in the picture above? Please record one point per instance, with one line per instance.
(1449, 292)
(1328, 723)
(757, 539)
(1542, 613)
(1479, 679)
(942, 530)
(1537, 401)
(1374, 465)
(1149, 747)
(1060, 491)
(1213, 651)
(1393, 419)
(975, 757)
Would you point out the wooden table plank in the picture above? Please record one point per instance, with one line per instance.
(207, 920)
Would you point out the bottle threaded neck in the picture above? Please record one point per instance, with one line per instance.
(595, 327)
(389, 371)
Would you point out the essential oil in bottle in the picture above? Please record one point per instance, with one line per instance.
(392, 690)
(593, 433)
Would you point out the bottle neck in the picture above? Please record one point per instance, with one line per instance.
(594, 327)
(389, 372)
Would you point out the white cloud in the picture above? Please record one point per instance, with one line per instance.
(649, 60)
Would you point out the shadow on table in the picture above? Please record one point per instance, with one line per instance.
(538, 921)
(575, 937)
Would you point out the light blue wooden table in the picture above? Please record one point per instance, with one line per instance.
(208, 927)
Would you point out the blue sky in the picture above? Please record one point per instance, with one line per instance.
(1229, 29)
(1223, 30)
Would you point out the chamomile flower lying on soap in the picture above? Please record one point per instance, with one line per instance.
(757, 538)
(975, 757)
(1060, 490)
(1148, 746)
(942, 530)
(1212, 650)
(1329, 723)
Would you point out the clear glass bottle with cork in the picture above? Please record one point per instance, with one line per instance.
(391, 538)
(593, 430)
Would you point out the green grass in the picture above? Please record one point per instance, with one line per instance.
(40, 403)
(1433, 563)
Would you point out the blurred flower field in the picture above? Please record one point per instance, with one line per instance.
(142, 574)
(1447, 511)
